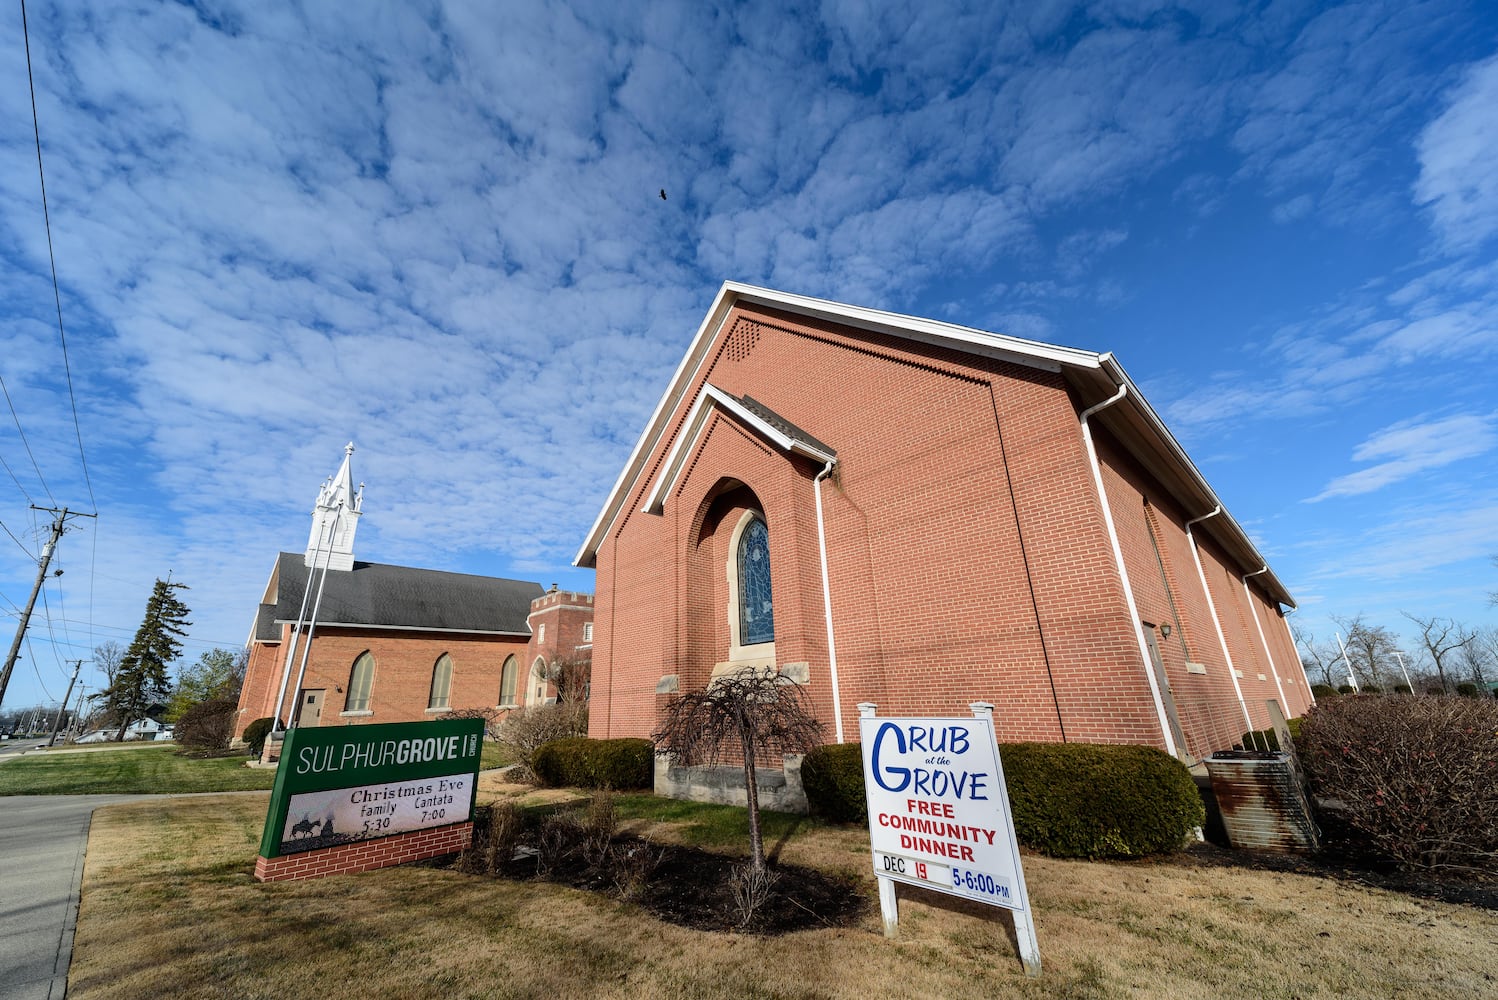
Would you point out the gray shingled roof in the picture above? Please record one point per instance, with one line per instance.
(375, 594)
(783, 425)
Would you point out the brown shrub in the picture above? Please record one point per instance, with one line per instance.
(1416, 777)
(489, 715)
(208, 726)
(524, 731)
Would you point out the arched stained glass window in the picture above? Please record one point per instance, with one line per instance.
(360, 681)
(442, 682)
(507, 681)
(756, 608)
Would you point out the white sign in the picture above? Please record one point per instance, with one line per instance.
(939, 813)
(344, 815)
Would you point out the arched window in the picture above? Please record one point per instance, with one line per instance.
(507, 678)
(756, 608)
(360, 681)
(442, 683)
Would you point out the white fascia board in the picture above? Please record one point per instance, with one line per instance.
(1226, 518)
(712, 398)
(655, 426)
(1031, 353)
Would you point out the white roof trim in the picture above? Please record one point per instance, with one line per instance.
(712, 398)
(406, 628)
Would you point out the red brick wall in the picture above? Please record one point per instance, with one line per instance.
(402, 674)
(367, 855)
(967, 552)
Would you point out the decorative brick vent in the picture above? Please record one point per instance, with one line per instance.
(741, 342)
(367, 856)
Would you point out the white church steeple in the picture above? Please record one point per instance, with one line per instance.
(331, 543)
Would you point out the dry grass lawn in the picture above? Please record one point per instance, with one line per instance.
(170, 910)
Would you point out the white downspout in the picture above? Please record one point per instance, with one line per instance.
(1123, 572)
(1222, 639)
(1304, 677)
(1254, 609)
(837, 701)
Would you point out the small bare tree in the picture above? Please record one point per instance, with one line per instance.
(1440, 639)
(1322, 656)
(572, 676)
(753, 711)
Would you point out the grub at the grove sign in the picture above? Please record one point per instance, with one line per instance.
(938, 810)
(344, 784)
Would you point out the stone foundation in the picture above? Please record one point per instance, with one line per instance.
(724, 785)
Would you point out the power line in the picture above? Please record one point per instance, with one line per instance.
(13, 478)
(17, 418)
(17, 541)
(52, 259)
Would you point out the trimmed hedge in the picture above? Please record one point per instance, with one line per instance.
(579, 762)
(255, 735)
(1323, 691)
(832, 776)
(1070, 800)
(1267, 739)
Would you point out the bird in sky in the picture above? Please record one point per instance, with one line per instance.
(663, 194)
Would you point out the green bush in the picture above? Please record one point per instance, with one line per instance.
(255, 735)
(1412, 778)
(1080, 800)
(1266, 739)
(1346, 689)
(1467, 689)
(579, 762)
(1069, 799)
(1323, 691)
(832, 776)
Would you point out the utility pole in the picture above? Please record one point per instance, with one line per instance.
(58, 526)
(63, 712)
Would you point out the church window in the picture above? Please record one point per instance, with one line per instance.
(360, 682)
(756, 608)
(507, 682)
(542, 636)
(538, 680)
(442, 683)
(588, 632)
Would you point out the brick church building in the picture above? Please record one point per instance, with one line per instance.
(906, 512)
(396, 643)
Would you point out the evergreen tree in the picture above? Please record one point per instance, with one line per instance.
(142, 677)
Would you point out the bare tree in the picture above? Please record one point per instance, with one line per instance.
(1370, 650)
(572, 675)
(107, 657)
(1322, 656)
(753, 711)
(1442, 639)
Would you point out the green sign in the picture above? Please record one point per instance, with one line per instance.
(343, 784)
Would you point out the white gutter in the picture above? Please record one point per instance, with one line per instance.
(1350, 675)
(1222, 639)
(1123, 572)
(837, 701)
(1252, 607)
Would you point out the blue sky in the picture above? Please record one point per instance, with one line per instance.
(434, 229)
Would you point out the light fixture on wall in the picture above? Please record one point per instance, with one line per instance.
(1165, 631)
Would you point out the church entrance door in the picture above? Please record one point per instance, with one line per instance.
(310, 711)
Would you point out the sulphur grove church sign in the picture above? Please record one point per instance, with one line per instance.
(344, 784)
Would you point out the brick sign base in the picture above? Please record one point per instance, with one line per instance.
(366, 856)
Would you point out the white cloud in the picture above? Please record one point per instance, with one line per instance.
(1412, 447)
(1459, 162)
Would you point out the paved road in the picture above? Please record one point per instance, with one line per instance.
(42, 842)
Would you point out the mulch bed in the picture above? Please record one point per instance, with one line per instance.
(690, 887)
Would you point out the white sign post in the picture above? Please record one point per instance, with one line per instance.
(939, 816)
